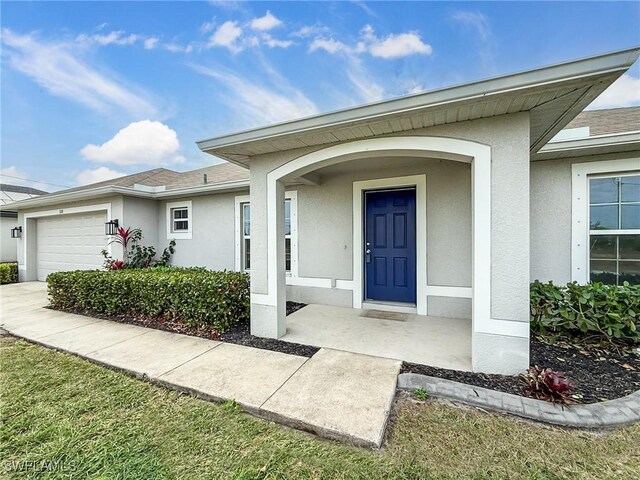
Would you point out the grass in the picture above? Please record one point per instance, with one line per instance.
(96, 423)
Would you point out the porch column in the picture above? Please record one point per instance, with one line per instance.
(268, 287)
(500, 341)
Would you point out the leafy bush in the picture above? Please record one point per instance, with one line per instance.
(135, 255)
(8, 272)
(547, 384)
(606, 311)
(194, 296)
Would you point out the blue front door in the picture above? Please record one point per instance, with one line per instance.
(390, 245)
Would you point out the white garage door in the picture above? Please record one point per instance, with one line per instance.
(70, 242)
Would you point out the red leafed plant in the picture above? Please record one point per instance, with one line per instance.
(123, 237)
(547, 384)
(117, 265)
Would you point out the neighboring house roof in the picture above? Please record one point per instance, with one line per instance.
(14, 193)
(609, 121)
(595, 132)
(552, 95)
(155, 183)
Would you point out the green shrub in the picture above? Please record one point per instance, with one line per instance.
(606, 311)
(8, 272)
(193, 295)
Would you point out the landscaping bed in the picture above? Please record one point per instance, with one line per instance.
(599, 372)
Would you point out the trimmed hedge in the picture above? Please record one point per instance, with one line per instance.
(194, 296)
(606, 311)
(8, 272)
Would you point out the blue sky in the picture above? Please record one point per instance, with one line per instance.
(92, 90)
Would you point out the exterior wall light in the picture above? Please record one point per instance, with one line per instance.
(111, 227)
(16, 232)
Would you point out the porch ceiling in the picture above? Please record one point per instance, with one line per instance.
(553, 95)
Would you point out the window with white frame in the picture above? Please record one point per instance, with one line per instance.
(244, 245)
(614, 229)
(179, 220)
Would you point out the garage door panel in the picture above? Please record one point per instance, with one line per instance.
(70, 242)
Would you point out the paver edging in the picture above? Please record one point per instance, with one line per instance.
(612, 413)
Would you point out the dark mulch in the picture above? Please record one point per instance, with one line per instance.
(238, 334)
(599, 372)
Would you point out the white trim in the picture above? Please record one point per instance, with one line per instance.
(388, 307)
(292, 196)
(508, 328)
(309, 282)
(580, 173)
(188, 235)
(420, 184)
(444, 291)
(239, 200)
(344, 284)
(50, 213)
(479, 155)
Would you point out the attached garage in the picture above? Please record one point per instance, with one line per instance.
(69, 242)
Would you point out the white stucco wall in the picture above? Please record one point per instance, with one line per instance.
(551, 215)
(213, 229)
(8, 245)
(142, 213)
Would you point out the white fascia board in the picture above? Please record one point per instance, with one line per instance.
(582, 146)
(598, 65)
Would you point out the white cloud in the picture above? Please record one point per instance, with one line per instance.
(475, 20)
(260, 103)
(268, 22)
(392, 46)
(151, 43)
(227, 35)
(624, 92)
(329, 45)
(273, 42)
(176, 48)
(401, 45)
(207, 27)
(112, 38)
(310, 31)
(139, 143)
(99, 174)
(57, 68)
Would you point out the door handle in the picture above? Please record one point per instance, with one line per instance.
(368, 256)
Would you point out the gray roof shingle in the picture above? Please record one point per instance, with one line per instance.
(609, 121)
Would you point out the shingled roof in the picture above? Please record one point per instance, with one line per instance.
(609, 121)
(220, 173)
(14, 193)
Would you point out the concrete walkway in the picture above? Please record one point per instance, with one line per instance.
(436, 341)
(335, 394)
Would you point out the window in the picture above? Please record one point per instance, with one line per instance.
(614, 229)
(179, 220)
(243, 232)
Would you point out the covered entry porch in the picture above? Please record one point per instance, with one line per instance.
(428, 340)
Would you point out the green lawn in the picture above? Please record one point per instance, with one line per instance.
(97, 423)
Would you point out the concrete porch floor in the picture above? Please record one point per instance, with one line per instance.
(436, 341)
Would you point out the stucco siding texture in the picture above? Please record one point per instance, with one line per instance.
(325, 221)
(213, 232)
(143, 214)
(551, 216)
(8, 245)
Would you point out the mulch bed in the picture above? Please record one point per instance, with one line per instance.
(599, 372)
(238, 334)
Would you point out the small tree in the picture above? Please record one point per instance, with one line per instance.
(136, 256)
